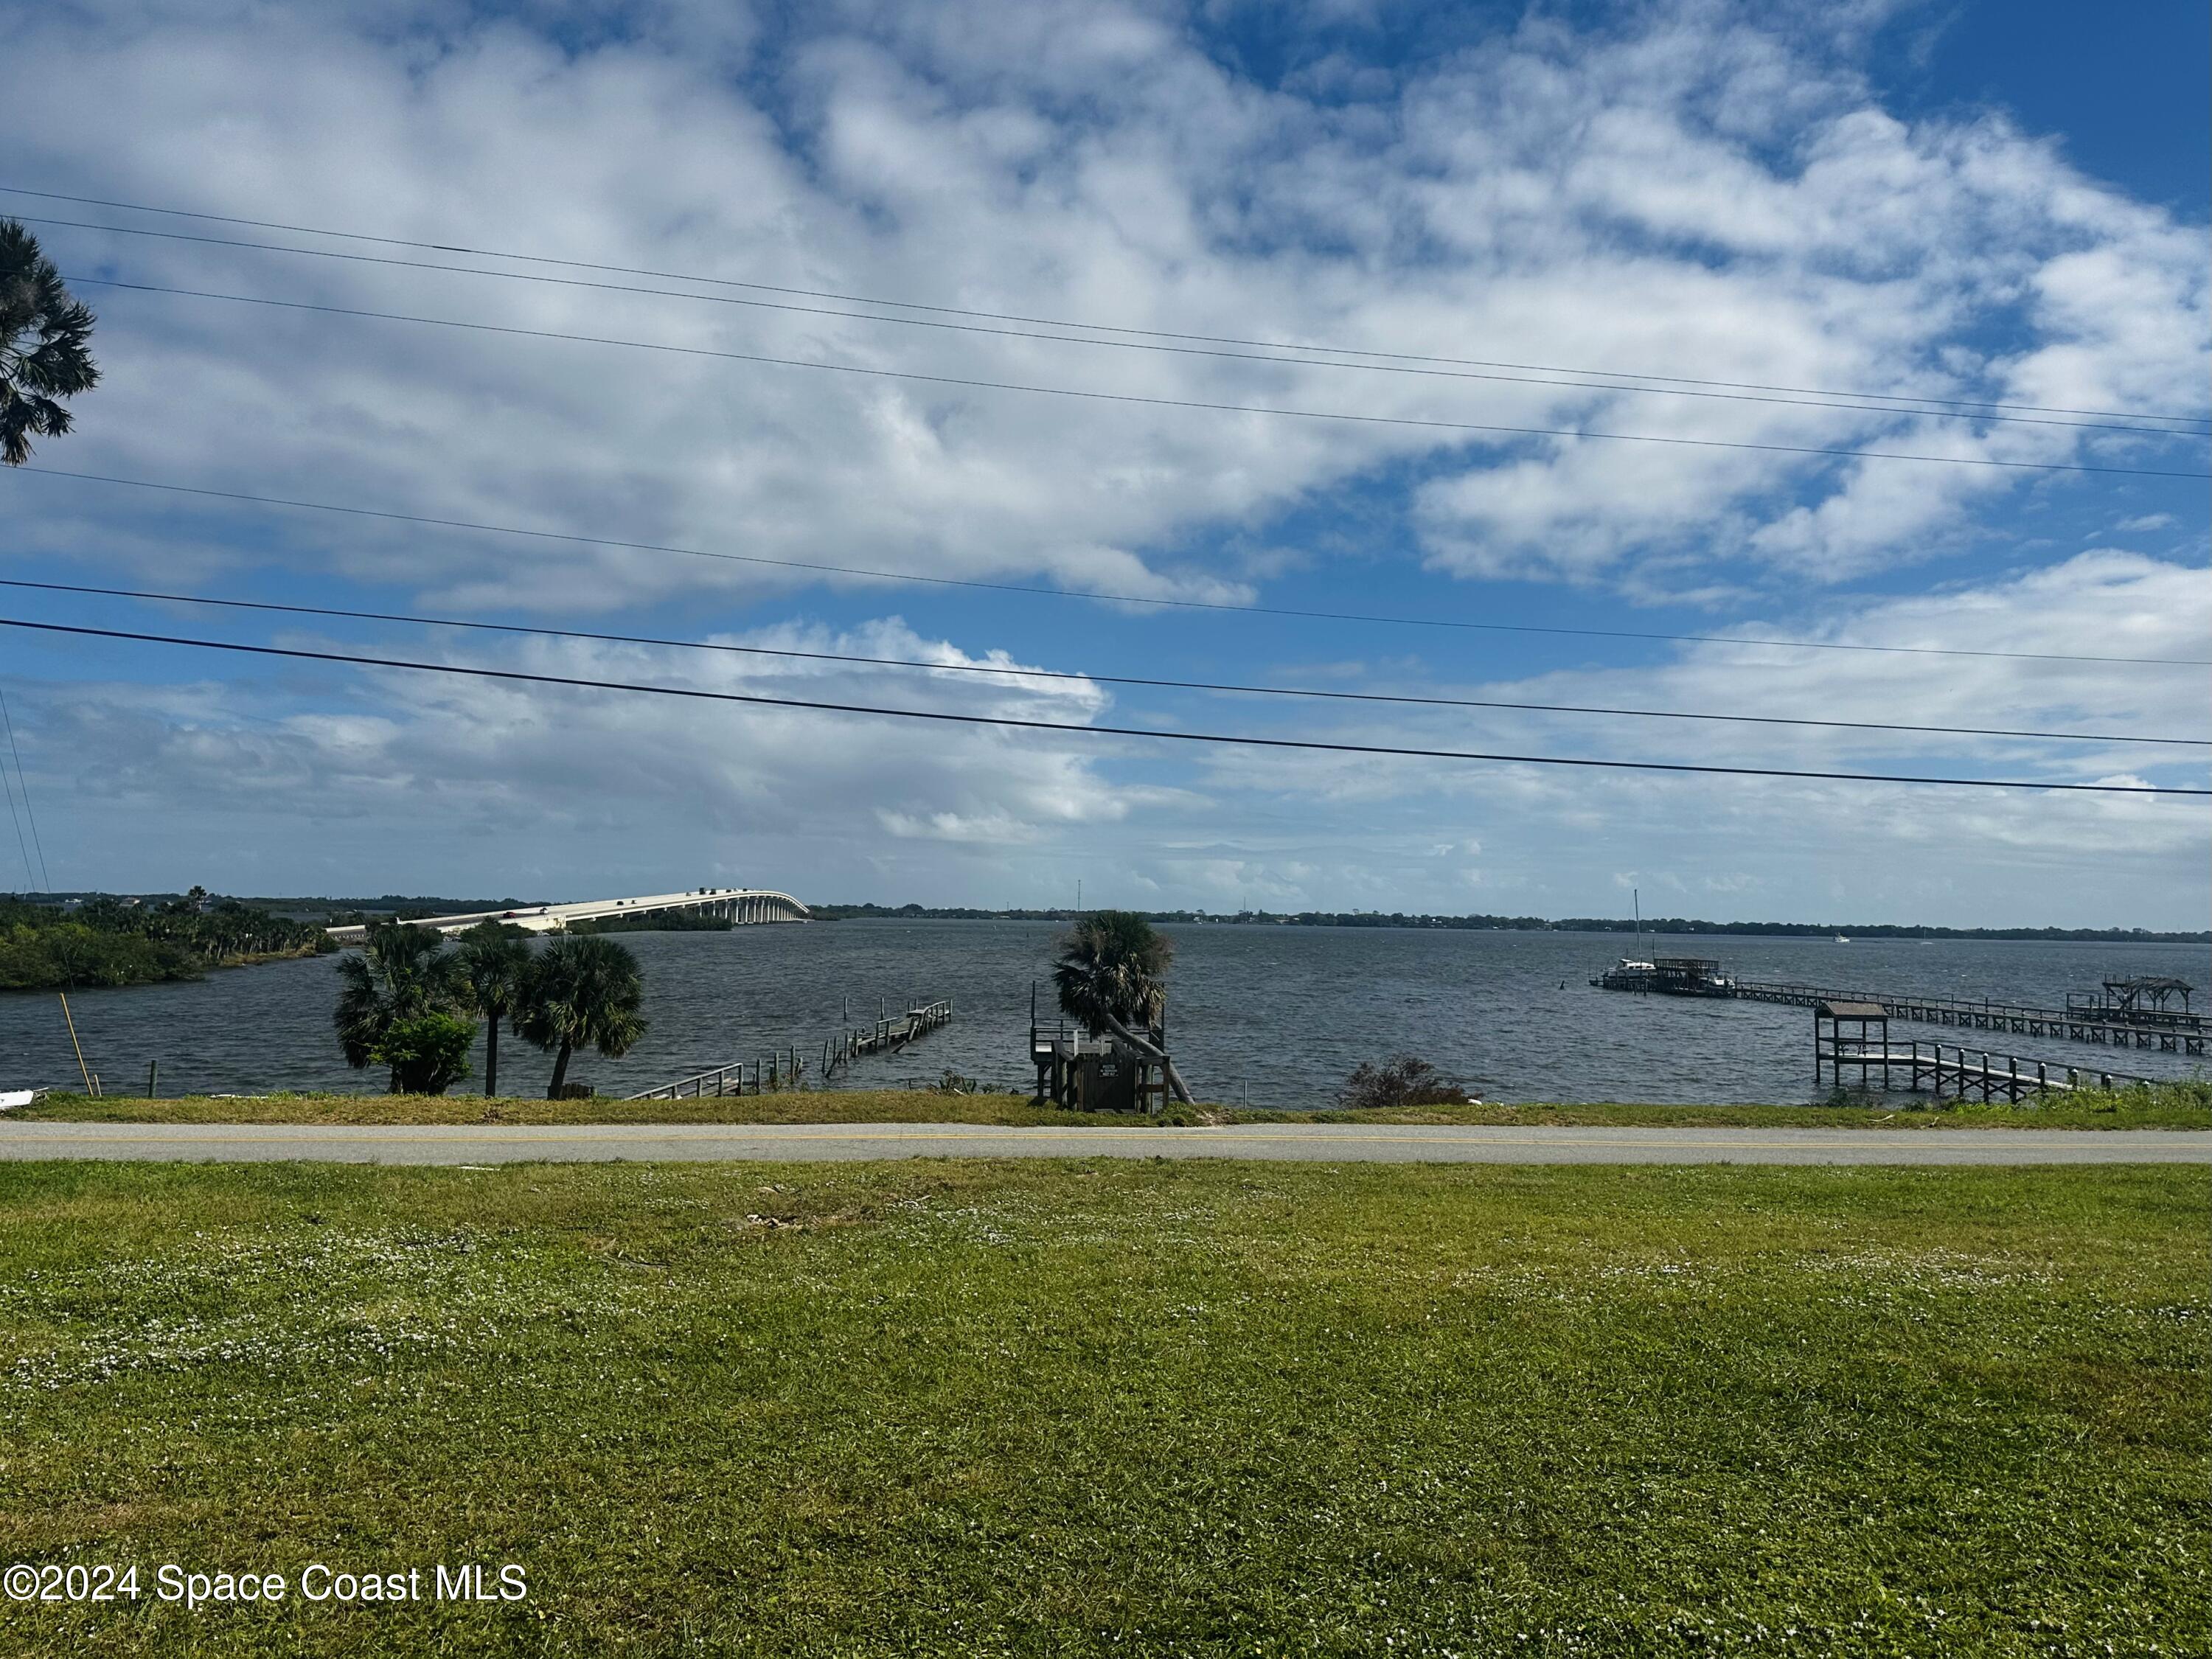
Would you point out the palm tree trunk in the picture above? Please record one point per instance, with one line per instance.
(1175, 1078)
(491, 1054)
(559, 1072)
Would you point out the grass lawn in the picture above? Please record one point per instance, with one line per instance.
(966, 1407)
(2178, 1106)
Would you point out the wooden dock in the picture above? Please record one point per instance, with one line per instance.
(886, 1036)
(786, 1068)
(1853, 1037)
(1970, 1073)
(2167, 1033)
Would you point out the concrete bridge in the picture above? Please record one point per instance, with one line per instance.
(742, 906)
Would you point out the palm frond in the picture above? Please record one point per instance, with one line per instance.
(35, 306)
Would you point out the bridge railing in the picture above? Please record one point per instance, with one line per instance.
(773, 905)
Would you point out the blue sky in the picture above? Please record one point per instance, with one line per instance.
(1969, 202)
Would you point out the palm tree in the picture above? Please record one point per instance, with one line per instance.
(402, 974)
(1109, 975)
(42, 345)
(584, 990)
(495, 961)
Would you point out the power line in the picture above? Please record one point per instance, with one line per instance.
(1823, 401)
(23, 783)
(1053, 322)
(1277, 411)
(1077, 676)
(866, 573)
(30, 875)
(1014, 723)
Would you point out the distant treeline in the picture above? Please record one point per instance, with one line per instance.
(1536, 924)
(1879, 930)
(107, 941)
(330, 912)
(653, 922)
(345, 912)
(931, 913)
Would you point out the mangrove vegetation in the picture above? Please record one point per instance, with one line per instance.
(47, 946)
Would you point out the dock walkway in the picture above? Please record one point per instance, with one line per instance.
(1968, 1074)
(786, 1068)
(2165, 1032)
(885, 1037)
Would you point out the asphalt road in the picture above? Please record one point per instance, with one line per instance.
(471, 1144)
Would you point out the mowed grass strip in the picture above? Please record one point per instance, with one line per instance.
(2172, 1106)
(968, 1408)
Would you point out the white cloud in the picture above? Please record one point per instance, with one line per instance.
(473, 758)
(1700, 191)
(1766, 222)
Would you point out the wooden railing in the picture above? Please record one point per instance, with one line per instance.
(1949, 1068)
(786, 1068)
(2182, 1034)
(887, 1035)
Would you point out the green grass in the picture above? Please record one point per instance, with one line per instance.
(792, 1106)
(953, 1408)
(2177, 1106)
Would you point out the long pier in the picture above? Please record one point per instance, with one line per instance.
(786, 1068)
(885, 1037)
(1946, 1068)
(2167, 1033)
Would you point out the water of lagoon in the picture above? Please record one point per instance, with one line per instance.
(1265, 1015)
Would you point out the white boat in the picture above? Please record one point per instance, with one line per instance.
(11, 1098)
(1627, 975)
(1840, 939)
(1680, 976)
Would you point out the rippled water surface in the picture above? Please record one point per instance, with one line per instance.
(1274, 1015)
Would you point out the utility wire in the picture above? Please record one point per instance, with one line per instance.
(1130, 398)
(1982, 416)
(7, 789)
(1077, 676)
(1056, 322)
(1012, 723)
(23, 783)
(1085, 593)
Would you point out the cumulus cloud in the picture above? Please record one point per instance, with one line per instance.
(1694, 190)
(1764, 221)
(1558, 830)
(483, 765)
(502, 790)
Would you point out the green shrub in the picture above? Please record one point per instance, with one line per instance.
(427, 1053)
(1400, 1080)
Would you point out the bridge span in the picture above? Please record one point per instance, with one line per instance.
(740, 906)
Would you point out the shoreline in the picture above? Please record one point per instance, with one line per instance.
(196, 971)
(2174, 1106)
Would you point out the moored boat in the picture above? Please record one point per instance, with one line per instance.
(1627, 974)
(1674, 977)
